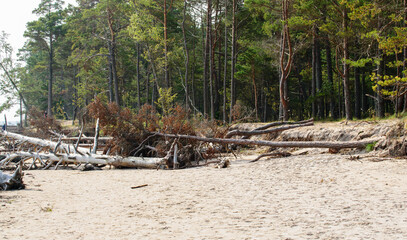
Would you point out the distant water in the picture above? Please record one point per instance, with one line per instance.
(9, 122)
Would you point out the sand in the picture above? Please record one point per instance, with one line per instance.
(300, 197)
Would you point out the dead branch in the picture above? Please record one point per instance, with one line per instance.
(140, 186)
(260, 132)
(273, 124)
(95, 141)
(273, 154)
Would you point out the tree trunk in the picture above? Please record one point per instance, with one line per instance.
(363, 93)
(210, 43)
(233, 61)
(51, 60)
(112, 54)
(405, 55)
(138, 77)
(318, 75)
(15, 86)
(285, 64)
(116, 161)
(114, 73)
(357, 94)
(61, 153)
(186, 51)
(110, 84)
(348, 110)
(205, 64)
(330, 79)
(255, 91)
(225, 70)
(266, 131)
(166, 70)
(379, 100)
(148, 85)
(304, 144)
(314, 74)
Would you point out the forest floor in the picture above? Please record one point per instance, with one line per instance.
(348, 195)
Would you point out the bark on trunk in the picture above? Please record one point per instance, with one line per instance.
(225, 70)
(348, 110)
(51, 59)
(60, 152)
(186, 50)
(116, 161)
(260, 132)
(138, 77)
(379, 100)
(313, 144)
(232, 65)
(210, 48)
(357, 94)
(330, 79)
(166, 70)
(112, 54)
(318, 75)
(285, 64)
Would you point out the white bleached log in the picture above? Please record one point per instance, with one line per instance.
(62, 155)
(116, 161)
(40, 142)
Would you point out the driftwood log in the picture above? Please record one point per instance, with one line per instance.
(266, 131)
(274, 124)
(61, 153)
(299, 144)
(14, 181)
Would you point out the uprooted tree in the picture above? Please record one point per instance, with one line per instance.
(149, 140)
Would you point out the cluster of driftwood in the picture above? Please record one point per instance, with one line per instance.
(40, 153)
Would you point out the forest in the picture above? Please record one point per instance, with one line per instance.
(219, 59)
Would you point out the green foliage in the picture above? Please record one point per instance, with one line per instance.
(166, 100)
(86, 38)
(370, 146)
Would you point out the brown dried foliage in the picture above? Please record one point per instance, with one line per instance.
(177, 122)
(121, 124)
(131, 130)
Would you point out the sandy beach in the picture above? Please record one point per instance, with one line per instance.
(319, 196)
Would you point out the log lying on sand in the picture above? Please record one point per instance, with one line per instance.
(54, 146)
(60, 153)
(14, 181)
(116, 161)
(266, 131)
(274, 124)
(314, 144)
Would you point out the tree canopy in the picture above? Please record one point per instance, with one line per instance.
(219, 58)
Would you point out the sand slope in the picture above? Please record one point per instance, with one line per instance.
(299, 197)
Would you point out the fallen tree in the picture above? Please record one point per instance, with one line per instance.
(116, 161)
(291, 144)
(61, 153)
